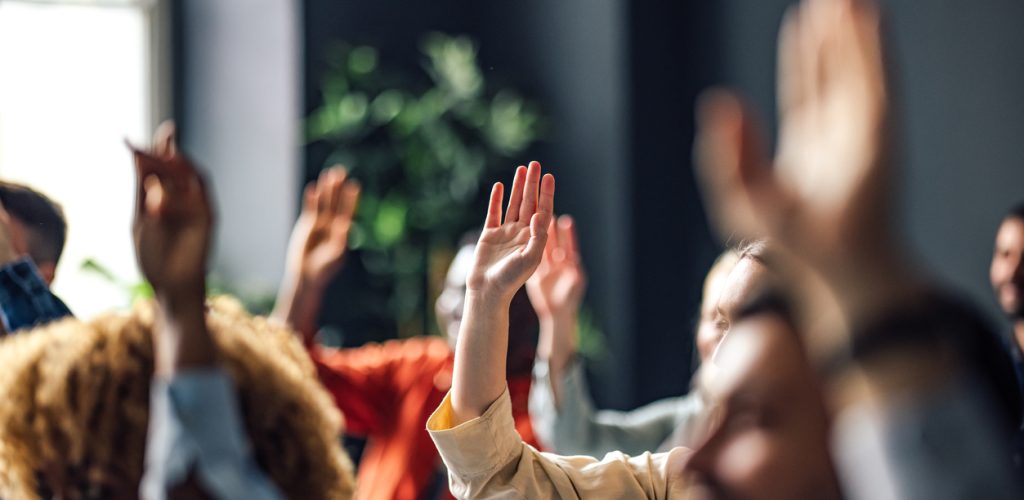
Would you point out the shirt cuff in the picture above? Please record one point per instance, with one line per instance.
(196, 426)
(479, 446)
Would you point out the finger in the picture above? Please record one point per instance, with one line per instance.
(809, 51)
(515, 200)
(309, 198)
(493, 219)
(337, 186)
(349, 200)
(164, 140)
(552, 243)
(546, 202)
(529, 205)
(567, 238)
(323, 184)
(728, 165)
(789, 70)
(538, 235)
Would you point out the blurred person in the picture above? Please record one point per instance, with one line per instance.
(25, 298)
(37, 224)
(563, 414)
(219, 377)
(386, 391)
(1007, 276)
(912, 414)
(79, 396)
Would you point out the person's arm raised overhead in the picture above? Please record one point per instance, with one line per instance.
(896, 355)
(316, 250)
(197, 445)
(506, 255)
(556, 291)
(563, 414)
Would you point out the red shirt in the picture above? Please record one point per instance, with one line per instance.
(386, 392)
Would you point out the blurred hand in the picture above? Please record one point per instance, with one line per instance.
(320, 236)
(173, 219)
(508, 253)
(557, 286)
(826, 197)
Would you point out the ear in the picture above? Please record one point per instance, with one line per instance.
(47, 270)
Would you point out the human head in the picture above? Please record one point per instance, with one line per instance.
(523, 324)
(708, 334)
(1007, 270)
(38, 222)
(746, 276)
(76, 406)
(769, 432)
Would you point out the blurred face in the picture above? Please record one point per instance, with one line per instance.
(708, 333)
(522, 320)
(736, 286)
(448, 307)
(1007, 273)
(768, 437)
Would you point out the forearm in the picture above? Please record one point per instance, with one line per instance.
(479, 372)
(557, 345)
(298, 306)
(182, 341)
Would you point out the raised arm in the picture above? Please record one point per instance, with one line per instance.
(197, 446)
(171, 230)
(895, 355)
(556, 291)
(506, 255)
(316, 250)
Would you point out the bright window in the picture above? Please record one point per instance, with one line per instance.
(74, 83)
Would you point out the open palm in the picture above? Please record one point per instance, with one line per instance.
(509, 251)
(320, 237)
(558, 284)
(826, 195)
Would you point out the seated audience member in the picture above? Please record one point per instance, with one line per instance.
(1007, 276)
(225, 396)
(563, 414)
(911, 414)
(25, 297)
(387, 391)
(38, 224)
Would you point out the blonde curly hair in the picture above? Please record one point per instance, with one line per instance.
(76, 406)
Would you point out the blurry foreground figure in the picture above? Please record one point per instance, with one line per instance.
(387, 391)
(86, 401)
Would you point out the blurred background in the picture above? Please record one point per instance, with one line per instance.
(429, 103)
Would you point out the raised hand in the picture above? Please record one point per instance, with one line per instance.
(557, 286)
(826, 197)
(506, 255)
(320, 236)
(171, 229)
(173, 218)
(508, 252)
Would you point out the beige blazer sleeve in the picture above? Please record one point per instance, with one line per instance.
(486, 458)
